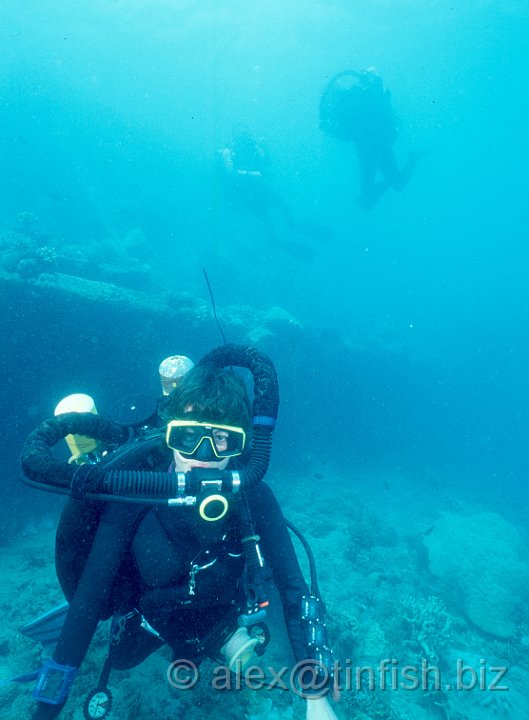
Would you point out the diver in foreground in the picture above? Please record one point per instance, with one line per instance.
(173, 534)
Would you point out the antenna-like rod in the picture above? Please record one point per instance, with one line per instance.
(214, 307)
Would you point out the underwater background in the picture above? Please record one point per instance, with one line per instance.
(400, 335)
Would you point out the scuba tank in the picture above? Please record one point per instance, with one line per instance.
(80, 517)
(83, 448)
(172, 370)
(135, 410)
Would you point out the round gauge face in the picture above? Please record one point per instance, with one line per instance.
(97, 704)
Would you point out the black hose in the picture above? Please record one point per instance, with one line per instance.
(117, 477)
(315, 590)
(265, 404)
(36, 458)
(138, 483)
(265, 388)
(41, 469)
(260, 457)
(256, 575)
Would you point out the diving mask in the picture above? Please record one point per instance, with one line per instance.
(191, 438)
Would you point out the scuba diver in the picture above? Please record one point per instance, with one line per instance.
(356, 107)
(169, 530)
(245, 165)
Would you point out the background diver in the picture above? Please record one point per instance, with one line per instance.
(356, 107)
(245, 165)
(188, 574)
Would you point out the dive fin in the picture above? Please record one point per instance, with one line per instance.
(46, 629)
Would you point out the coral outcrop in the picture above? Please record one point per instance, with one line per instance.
(485, 557)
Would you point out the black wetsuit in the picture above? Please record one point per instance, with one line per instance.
(190, 575)
(141, 563)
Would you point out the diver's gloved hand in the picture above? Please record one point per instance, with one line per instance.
(319, 708)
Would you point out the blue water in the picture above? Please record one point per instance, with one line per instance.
(112, 116)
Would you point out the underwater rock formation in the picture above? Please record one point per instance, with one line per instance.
(485, 557)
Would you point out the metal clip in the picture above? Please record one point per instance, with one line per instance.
(196, 568)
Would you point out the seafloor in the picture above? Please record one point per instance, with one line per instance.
(413, 573)
(419, 573)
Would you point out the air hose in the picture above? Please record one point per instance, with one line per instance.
(117, 476)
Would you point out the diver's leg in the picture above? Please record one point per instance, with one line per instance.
(397, 179)
(407, 171)
(370, 189)
(300, 251)
(275, 201)
(268, 207)
(277, 205)
(265, 216)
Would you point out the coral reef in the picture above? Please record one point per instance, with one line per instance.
(29, 252)
(429, 626)
(371, 706)
(483, 555)
(371, 616)
(7, 690)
